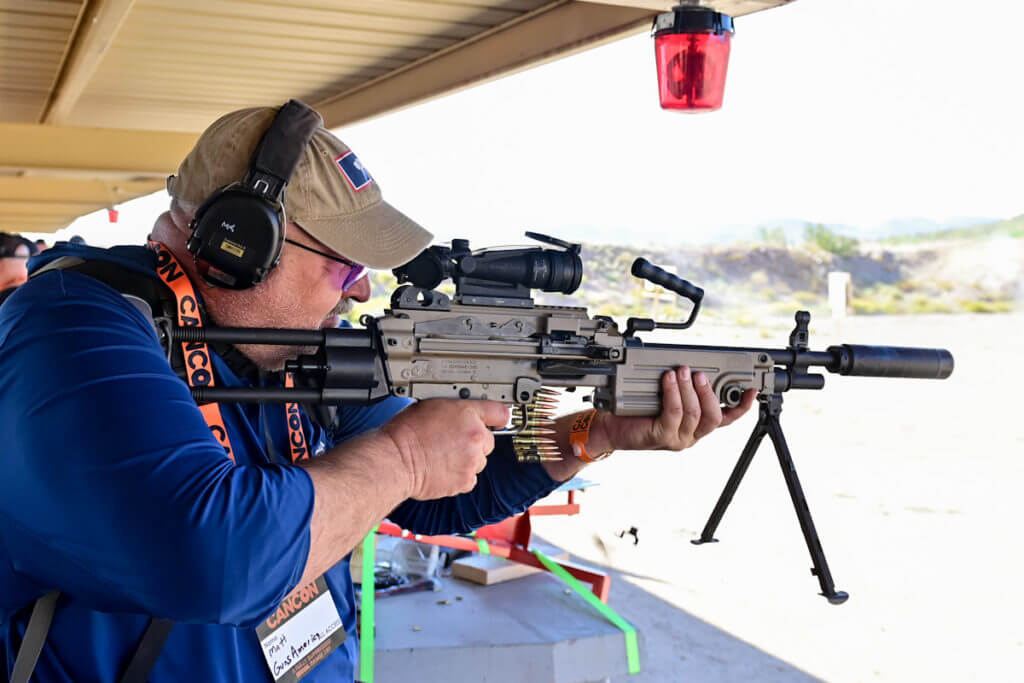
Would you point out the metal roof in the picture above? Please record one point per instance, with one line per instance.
(100, 99)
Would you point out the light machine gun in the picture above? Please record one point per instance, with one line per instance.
(491, 341)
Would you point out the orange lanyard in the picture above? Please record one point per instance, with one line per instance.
(199, 368)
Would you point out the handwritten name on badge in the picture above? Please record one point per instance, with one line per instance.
(302, 632)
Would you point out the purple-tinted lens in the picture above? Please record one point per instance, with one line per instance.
(354, 274)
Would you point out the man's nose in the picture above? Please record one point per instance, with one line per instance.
(360, 290)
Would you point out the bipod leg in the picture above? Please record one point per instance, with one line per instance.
(803, 513)
(708, 534)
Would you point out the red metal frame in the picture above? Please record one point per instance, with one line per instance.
(511, 539)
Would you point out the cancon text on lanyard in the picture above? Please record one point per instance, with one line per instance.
(198, 367)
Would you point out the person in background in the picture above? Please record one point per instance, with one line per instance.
(41, 246)
(14, 254)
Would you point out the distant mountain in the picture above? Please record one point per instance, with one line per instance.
(794, 228)
(1012, 227)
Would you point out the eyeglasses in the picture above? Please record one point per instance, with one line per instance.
(355, 270)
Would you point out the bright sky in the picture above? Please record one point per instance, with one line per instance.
(854, 112)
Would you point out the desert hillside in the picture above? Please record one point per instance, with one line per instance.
(763, 283)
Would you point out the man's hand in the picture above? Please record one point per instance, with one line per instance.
(444, 443)
(689, 411)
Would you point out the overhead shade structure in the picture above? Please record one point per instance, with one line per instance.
(100, 99)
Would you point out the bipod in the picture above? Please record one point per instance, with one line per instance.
(768, 424)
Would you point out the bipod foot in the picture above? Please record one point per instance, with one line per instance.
(836, 597)
(702, 541)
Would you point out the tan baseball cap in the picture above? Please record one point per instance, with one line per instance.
(331, 195)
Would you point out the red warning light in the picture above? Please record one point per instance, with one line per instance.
(691, 47)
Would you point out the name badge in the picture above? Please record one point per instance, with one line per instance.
(302, 632)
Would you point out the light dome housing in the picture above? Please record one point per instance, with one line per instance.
(691, 48)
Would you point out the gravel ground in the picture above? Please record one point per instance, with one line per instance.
(915, 487)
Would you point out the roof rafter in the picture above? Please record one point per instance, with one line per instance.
(89, 44)
(554, 30)
(91, 152)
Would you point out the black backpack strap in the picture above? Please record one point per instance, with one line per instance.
(140, 290)
(35, 635)
(142, 663)
(148, 650)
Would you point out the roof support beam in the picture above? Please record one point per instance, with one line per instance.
(91, 152)
(46, 204)
(23, 209)
(553, 31)
(95, 34)
(733, 8)
(101, 192)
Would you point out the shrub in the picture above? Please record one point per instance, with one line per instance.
(830, 241)
(969, 306)
(774, 236)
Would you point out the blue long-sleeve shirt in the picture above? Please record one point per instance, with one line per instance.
(113, 491)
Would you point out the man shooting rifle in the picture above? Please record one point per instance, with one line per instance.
(166, 540)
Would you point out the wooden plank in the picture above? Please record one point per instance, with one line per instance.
(488, 570)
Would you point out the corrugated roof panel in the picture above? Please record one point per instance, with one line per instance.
(34, 37)
(236, 53)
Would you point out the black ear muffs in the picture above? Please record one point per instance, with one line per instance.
(236, 237)
(238, 232)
